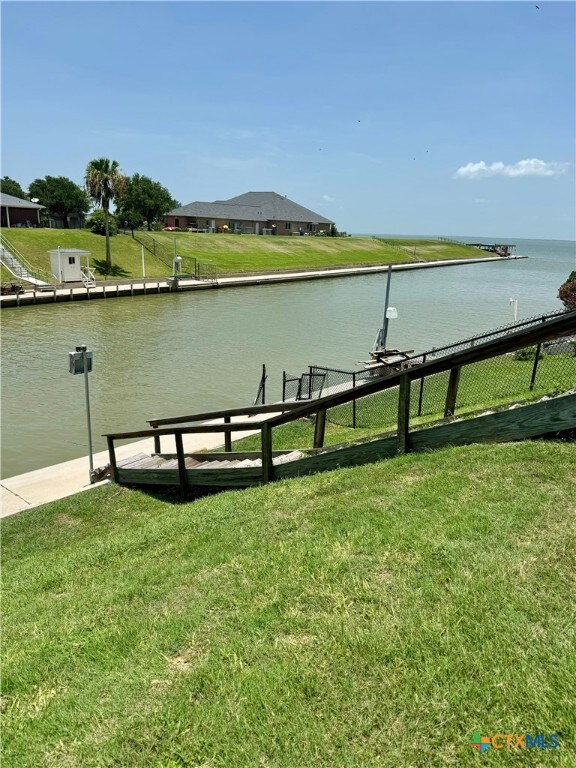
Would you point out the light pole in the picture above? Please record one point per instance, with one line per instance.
(81, 362)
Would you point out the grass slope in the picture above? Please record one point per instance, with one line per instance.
(375, 616)
(231, 253)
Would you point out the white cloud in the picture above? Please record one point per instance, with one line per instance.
(529, 167)
(328, 199)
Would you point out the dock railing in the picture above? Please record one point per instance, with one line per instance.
(560, 325)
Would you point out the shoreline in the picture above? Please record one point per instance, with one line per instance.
(145, 287)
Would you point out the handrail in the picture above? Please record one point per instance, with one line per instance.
(22, 261)
(250, 410)
(238, 426)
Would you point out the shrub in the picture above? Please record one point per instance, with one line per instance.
(97, 225)
(567, 292)
(528, 353)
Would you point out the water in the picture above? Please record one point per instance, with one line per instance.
(174, 354)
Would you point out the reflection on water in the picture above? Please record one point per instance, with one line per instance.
(171, 354)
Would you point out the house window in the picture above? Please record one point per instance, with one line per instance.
(288, 225)
(71, 260)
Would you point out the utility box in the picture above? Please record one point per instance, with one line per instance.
(76, 362)
(66, 266)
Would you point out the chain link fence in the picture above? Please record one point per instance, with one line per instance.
(545, 369)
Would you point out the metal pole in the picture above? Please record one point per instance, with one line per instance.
(87, 390)
(535, 366)
(263, 384)
(384, 332)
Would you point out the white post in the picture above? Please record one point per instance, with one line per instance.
(143, 265)
(59, 267)
(514, 303)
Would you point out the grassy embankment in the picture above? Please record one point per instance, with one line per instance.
(482, 385)
(375, 616)
(231, 253)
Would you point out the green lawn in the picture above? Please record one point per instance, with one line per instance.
(230, 253)
(375, 616)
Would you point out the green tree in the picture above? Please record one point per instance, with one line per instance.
(97, 223)
(11, 187)
(144, 200)
(105, 184)
(60, 196)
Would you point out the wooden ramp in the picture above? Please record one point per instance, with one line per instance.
(241, 470)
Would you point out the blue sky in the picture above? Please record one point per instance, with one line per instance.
(432, 118)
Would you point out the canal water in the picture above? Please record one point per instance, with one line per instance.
(174, 354)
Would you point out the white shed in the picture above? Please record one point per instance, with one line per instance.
(66, 266)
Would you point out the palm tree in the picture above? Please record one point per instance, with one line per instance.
(104, 183)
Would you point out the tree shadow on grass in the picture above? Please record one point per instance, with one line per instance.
(115, 271)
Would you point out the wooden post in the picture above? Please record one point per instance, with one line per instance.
(227, 436)
(452, 392)
(421, 393)
(267, 466)
(354, 402)
(320, 428)
(112, 452)
(156, 442)
(403, 414)
(535, 367)
(181, 464)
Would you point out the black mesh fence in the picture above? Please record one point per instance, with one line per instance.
(546, 369)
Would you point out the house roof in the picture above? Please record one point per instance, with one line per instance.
(253, 206)
(16, 202)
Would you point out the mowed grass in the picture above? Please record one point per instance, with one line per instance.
(230, 253)
(374, 616)
(34, 245)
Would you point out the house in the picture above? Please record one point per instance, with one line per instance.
(19, 213)
(258, 213)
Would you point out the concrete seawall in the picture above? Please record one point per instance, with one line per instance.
(155, 287)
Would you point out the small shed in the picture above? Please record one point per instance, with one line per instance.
(66, 266)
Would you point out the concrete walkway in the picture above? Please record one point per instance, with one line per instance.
(40, 486)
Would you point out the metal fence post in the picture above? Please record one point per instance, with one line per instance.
(535, 366)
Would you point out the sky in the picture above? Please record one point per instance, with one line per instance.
(420, 118)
